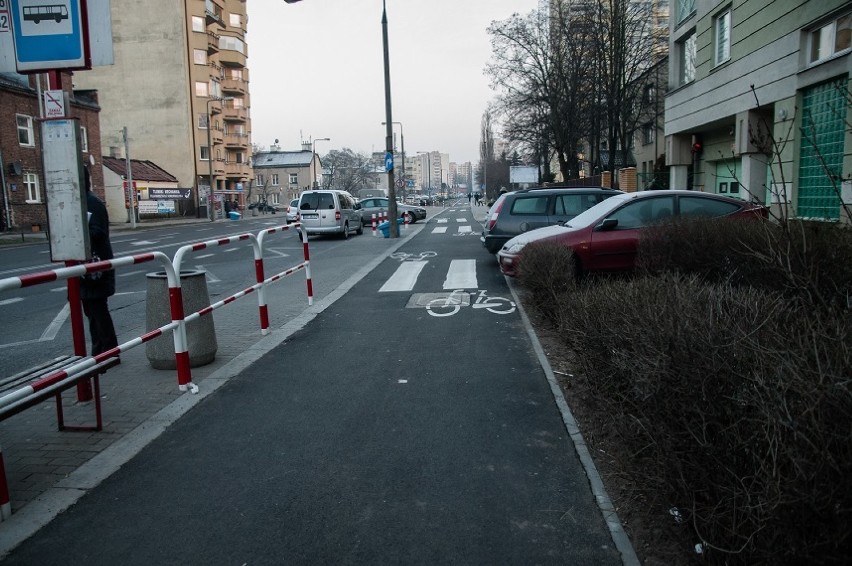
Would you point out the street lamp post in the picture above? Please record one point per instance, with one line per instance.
(402, 148)
(392, 213)
(313, 155)
(211, 178)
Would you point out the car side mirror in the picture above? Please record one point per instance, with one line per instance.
(608, 224)
(357, 206)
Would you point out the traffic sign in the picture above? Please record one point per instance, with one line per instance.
(54, 104)
(389, 161)
(48, 34)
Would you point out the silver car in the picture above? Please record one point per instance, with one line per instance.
(293, 210)
(376, 205)
(329, 212)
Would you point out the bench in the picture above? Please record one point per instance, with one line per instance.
(28, 388)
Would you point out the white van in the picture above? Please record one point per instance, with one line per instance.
(329, 212)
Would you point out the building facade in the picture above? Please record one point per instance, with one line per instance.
(24, 195)
(280, 176)
(180, 86)
(758, 102)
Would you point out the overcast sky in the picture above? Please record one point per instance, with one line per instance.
(316, 71)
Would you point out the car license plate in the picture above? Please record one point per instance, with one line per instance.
(310, 216)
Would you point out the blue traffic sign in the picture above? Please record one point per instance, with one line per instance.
(388, 161)
(48, 34)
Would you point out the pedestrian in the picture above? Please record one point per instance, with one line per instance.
(469, 196)
(96, 288)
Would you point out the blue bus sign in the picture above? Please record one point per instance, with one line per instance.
(48, 34)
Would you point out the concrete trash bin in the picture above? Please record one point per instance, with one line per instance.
(200, 334)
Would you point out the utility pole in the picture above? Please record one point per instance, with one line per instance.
(130, 190)
(392, 211)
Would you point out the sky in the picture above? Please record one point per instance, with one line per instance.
(317, 71)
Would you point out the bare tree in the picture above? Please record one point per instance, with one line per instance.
(625, 45)
(348, 170)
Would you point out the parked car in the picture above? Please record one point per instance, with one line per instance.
(521, 211)
(263, 206)
(605, 237)
(370, 206)
(292, 210)
(329, 212)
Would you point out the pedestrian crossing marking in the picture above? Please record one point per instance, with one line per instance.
(440, 230)
(442, 221)
(404, 277)
(461, 275)
(461, 219)
(463, 229)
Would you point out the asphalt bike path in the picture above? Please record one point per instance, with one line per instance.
(407, 423)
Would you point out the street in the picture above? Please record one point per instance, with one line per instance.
(409, 422)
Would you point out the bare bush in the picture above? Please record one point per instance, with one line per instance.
(733, 404)
(547, 271)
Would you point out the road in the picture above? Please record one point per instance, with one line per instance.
(409, 422)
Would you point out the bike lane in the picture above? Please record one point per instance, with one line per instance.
(378, 433)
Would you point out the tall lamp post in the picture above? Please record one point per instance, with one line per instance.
(392, 212)
(313, 156)
(402, 143)
(211, 178)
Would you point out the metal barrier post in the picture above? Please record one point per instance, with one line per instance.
(308, 279)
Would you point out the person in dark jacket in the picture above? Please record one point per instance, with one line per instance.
(96, 288)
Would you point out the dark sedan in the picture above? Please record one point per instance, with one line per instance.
(377, 205)
(605, 238)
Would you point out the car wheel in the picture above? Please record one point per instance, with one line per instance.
(411, 218)
(360, 229)
(345, 234)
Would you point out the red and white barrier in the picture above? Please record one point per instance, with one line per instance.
(374, 224)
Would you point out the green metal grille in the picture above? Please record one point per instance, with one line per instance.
(821, 155)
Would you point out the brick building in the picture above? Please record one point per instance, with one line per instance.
(22, 201)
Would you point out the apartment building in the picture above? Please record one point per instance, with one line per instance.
(180, 86)
(758, 102)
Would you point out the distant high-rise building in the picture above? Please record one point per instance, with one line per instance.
(179, 80)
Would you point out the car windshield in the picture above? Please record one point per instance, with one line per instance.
(600, 209)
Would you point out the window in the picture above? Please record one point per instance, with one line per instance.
(205, 153)
(275, 179)
(215, 89)
(259, 180)
(201, 89)
(198, 24)
(25, 130)
(647, 133)
(643, 212)
(235, 20)
(684, 9)
(84, 140)
(830, 39)
(294, 178)
(231, 43)
(237, 103)
(572, 205)
(686, 56)
(203, 121)
(236, 74)
(649, 95)
(723, 37)
(694, 206)
(199, 56)
(531, 205)
(31, 184)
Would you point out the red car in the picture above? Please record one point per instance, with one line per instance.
(605, 237)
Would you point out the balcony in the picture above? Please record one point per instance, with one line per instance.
(231, 58)
(213, 13)
(212, 43)
(235, 169)
(236, 141)
(237, 114)
(218, 167)
(217, 136)
(234, 86)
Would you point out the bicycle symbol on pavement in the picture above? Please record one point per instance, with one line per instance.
(452, 303)
(402, 256)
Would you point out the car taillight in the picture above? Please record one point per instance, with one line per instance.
(495, 212)
(337, 215)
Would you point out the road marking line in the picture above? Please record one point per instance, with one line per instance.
(461, 219)
(204, 256)
(440, 230)
(461, 275)
(404, 277)
(442, 221)
(10, 301)
(52, 328)
(210, 277)
(463, 229)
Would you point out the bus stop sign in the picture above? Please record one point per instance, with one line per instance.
(48, 34)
